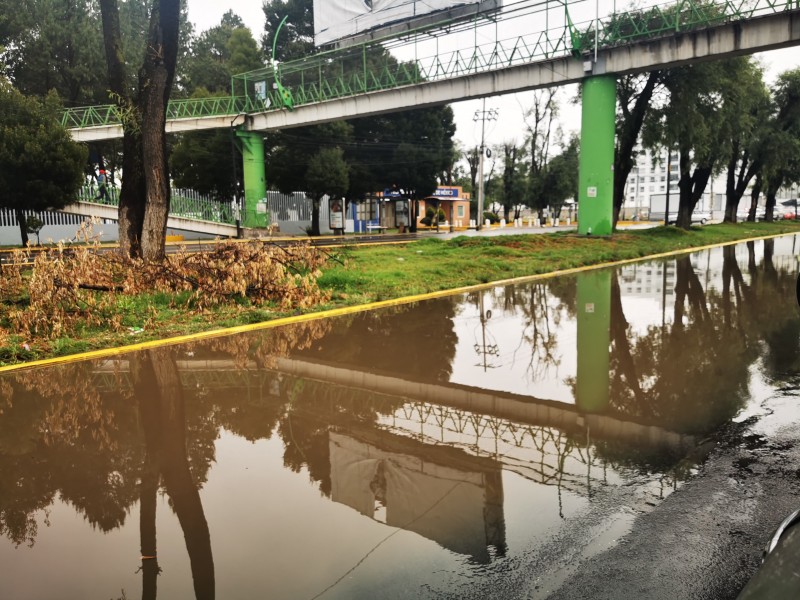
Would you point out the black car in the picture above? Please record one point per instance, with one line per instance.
(779, 575)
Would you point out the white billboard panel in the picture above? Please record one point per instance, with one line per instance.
(339, 19)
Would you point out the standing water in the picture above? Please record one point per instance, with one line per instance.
(438, 449)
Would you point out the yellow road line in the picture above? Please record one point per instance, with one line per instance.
(348, 310)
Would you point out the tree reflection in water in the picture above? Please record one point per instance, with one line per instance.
(104, 445)
(158, 387)
(692, 374)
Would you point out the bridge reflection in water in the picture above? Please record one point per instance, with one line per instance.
(388, 416)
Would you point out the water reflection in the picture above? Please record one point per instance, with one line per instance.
(446, 496)
(158, 387)
(441, 421)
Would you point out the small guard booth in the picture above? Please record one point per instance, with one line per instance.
(453, 201)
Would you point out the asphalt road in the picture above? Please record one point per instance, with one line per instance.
(703, 542)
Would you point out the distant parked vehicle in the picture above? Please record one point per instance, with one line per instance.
(700, 217)
(761, 214)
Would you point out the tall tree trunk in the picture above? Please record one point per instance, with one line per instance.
(144, 199)
(509, 171)
(730, 186)
(473, 160)
(736, 185)
(773, 186)
(315, 231)
(23, 226)
(691, 186)
(159, 71)
(154, 146)
(628, 135)
(754, 195)
(132, 194)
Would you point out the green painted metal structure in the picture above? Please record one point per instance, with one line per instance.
(369, 67)
(596, 162)
(374, 66)
(186, 204)
(594, 338)
(255, 183)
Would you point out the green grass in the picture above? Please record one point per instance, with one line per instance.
(366, 274)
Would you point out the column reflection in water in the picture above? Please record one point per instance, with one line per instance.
(594, 322)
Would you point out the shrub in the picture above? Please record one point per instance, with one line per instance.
(493, 218)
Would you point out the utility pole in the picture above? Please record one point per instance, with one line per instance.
(482, 348)
(669, 184)
(483, 115)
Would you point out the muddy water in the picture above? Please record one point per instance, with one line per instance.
(430, 450)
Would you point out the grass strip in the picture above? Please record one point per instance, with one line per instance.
(386, 272)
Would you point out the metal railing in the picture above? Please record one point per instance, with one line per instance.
(186, 204)
(375, 66)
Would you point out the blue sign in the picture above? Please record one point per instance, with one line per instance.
(446, 192)
(389, 193)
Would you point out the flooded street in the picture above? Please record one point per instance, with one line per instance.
(521, 441)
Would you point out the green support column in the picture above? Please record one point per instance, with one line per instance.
(255, 180)
(596, 164)
(594, 338)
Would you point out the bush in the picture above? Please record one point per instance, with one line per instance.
(493, 218)
(432, 216)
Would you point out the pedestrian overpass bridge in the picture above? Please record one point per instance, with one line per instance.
(189, 211)
(193, 223)
(365, 80)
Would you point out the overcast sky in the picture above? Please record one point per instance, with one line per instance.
(509, 126)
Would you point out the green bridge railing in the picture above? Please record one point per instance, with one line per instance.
(186, 204)
(373, 66)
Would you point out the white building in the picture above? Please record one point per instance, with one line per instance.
(646, 188)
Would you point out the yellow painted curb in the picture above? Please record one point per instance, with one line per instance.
(348, 310)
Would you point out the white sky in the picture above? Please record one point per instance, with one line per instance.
(509, 126)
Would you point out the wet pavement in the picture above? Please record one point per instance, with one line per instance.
(620, 433)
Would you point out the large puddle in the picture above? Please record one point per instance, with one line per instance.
(492, 440)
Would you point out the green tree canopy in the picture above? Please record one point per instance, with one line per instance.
(219, 52)
(310, 159)
(54, 45)
(296, 39)
(202, 160)
(747, 116)
(41, 168)
(409, 150)
(561, 176)
(781, 164)
(697, 120)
